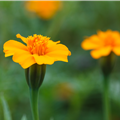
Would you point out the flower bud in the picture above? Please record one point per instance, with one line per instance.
(35, 75)
(107, 64)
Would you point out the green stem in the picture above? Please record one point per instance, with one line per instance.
(34, 103)
(106, 99)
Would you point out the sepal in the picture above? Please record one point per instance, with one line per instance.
(107, 64)
(35, 75)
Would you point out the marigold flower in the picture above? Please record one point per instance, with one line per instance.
(38, 49)
(103, 43)
(44, 9)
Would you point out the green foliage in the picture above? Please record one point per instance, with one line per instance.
(24, 117)
(6, 111)
(7, 115)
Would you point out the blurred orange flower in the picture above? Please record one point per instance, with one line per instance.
(63, 91)
(40, 49)
(103, 43)
(45, 9)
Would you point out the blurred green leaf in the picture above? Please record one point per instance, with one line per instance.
(51, 118)
(24, 117)
(7, 115)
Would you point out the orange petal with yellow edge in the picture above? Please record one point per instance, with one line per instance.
(101, 52)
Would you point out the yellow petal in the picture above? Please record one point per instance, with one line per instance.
(43, 59)
(12, 46)
(116, 50)
(59, 52)
(105, 51)
(59, 55)
(8, 53)
(92, 42)
(58, 47)
(51, 43)
(115, 34)
(19, 57)
(27, 62)
(102, 34)
(22, 38)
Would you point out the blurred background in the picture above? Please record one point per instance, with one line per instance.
(70, 91)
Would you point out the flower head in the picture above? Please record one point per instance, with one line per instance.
(44, 9)
(38, 49)
(103, 43)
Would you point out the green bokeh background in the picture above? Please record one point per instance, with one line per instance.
(70, 91)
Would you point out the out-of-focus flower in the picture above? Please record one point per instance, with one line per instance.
(44, 9)
(64, 91)
(38, 49)
(103, 43)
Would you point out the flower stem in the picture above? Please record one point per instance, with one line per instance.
(106, 99)
(34, 103)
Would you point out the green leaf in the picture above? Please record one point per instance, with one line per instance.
(6, 111)
(24, 117)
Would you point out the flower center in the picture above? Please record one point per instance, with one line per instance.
(109, 41)
(37, 44)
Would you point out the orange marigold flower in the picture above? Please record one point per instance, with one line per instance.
(38, 49)
(44, 9)
(103, 43)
